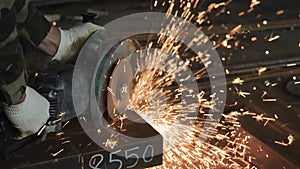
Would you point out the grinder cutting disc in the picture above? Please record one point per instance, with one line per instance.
(111, 77)
(118, 89)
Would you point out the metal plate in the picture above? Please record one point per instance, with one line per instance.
(76, 150)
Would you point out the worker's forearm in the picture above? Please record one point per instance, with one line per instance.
(51, 42)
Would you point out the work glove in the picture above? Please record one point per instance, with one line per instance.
(73, 39)
(30, 115)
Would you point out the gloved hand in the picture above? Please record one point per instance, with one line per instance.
(73, 39)
(30, 115)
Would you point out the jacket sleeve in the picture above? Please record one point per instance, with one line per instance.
(12, 68)
(18, 19)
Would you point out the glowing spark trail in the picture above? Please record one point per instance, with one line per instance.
(290, 141)
(203, 141)
(55, 154)
(238, 81)
(210, 143)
